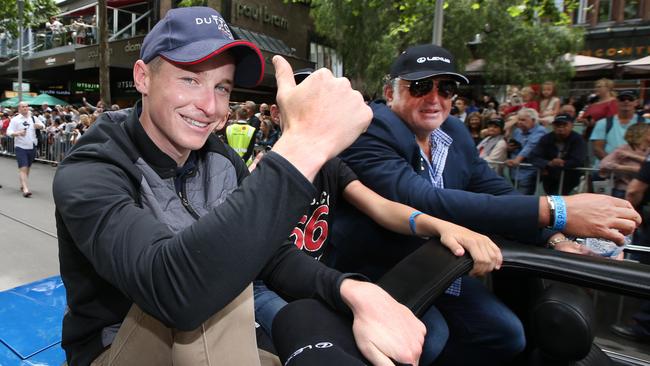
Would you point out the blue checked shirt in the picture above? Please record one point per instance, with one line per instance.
(439, 143)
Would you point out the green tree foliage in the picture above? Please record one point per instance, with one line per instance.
(36, 13)
(522, 41)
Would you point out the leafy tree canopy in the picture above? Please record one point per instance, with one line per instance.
(35, 13)
(521, 41)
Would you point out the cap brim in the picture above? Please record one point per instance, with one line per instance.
(427, 74)
(249, 63)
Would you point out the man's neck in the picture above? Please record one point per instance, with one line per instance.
(625, 117)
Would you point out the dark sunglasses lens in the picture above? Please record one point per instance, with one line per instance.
(447, 88)
(625, 99)
(420, 88)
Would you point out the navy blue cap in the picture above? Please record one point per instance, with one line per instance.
(425, 61)
(629, 93)
(562, 119)
(191, 35)
(499, 122)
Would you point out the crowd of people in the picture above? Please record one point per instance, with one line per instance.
(172, 245)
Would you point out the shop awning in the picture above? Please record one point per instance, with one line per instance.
(642, 64)
(263, 41)
(588, 63)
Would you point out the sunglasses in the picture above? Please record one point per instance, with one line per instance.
(626, 98)
(444, 88)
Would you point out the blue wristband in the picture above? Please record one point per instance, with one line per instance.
(560, 213)
(412, 221)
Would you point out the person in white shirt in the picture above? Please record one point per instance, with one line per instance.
(23, 129)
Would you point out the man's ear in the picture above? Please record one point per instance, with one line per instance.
(388, 93)
(142, 77)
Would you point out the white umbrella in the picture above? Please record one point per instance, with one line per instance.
(588, 63)
(642, 64)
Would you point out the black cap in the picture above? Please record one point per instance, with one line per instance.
(300, 75)
(630, 93)
(424, 61)
(499, 122)
(562, 119)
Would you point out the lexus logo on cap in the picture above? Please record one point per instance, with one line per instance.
(434, 58)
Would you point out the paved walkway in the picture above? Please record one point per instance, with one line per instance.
(27, 228)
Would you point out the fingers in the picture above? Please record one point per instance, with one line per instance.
(375, 356)
(486, 255)
(453, 245)
(283, 73)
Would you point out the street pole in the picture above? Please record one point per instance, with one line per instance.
(437, 23)
(21, 6)
(104, 69)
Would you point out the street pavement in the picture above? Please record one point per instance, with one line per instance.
(27, 227)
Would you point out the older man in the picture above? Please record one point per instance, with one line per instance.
(23, 129)
(161, 231)
(414, 153)
(524, 139)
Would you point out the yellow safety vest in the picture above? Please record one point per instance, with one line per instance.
(239, 136)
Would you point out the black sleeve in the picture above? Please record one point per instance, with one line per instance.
(180, 279)
(345, 174)
(295, 275)
(577, 153)
(644, 173)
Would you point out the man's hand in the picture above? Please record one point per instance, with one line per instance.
(20, 133)
(556, 162)
(486, 255)
(384, 330)
(321, 117)
(600, 216)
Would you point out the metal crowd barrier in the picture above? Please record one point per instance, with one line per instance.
(512, 173)
(51, 148)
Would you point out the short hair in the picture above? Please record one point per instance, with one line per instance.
(155, 63)
(530, 113)
(635, 133)
(472, 115)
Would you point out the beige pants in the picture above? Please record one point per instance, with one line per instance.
(226, 338)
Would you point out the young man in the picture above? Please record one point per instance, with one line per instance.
(23, 129)
(159, 234)
(414, 153)
(607, 136)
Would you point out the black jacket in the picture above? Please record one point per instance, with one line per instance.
(125, 235)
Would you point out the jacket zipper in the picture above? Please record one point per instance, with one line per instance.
(183, 196)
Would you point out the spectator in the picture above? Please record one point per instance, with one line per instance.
(414, 153)
(549, 104)
(525, 137)
(53, 29)
(115, 107)
(241, 136)
(250, 107)
(525, 99)
(493, 148)
(560, 151)
(4, 125)
(461, 105)
(23, 129)
(604, 105)
(609, 133)
(266, 136)
(475, 126)
(569, 110)
(625, 161)
(173, 226)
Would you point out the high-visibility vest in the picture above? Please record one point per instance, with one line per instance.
(240, 136)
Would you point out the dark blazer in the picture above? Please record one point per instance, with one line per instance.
(387, 159)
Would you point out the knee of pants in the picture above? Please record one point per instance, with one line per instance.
(509, 333)
(436, 337)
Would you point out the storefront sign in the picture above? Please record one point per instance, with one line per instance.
(618, 47)
(82, 86)
(123, 53)
(16, 87)
(125, 87)
(260, 13)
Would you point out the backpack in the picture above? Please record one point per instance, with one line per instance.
(610, 123)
